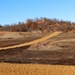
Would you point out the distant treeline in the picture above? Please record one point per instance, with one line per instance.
(42, 24)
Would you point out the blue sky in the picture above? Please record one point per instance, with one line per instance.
(13, 11)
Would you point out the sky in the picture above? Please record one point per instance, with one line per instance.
(13, 11)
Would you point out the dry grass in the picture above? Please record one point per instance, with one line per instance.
(35, 69)
(2, 33)
(32, 42)
(5, 42)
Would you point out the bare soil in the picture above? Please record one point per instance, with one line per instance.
(62, 53)
(8, 38)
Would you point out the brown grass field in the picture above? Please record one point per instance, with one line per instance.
(35, 69)
(57, 61)
(33, 42)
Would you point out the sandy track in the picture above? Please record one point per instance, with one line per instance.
(32, 42)
(35, 69)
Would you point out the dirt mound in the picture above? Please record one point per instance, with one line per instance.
(47, 45)
(53, 45)
(12, 35)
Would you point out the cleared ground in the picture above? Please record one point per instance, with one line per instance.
(53, 51)
(11, 38)
(55, 56)
(32, 42)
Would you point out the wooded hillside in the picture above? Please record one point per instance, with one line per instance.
(42, 24)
